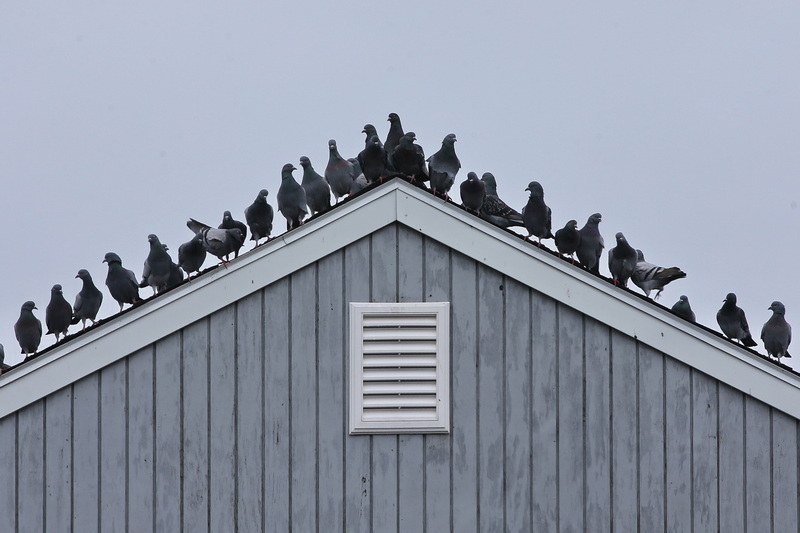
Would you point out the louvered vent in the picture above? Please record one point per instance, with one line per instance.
(399, 365)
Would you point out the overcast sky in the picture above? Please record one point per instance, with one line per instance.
(678, 121)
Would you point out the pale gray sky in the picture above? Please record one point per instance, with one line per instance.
(678, 121)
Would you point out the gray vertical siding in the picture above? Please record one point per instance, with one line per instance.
(239, 423)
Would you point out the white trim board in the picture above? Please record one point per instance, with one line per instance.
(398, 201)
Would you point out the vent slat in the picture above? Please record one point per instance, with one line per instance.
(394, 401)
(400, 387)
(398, 415)
(398, 321)
(392, 334)
(399, 361)
(399, 374)
(399, 347)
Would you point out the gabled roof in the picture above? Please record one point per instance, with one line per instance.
(398, 201)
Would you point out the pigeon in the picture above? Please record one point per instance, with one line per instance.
(339, 173)
(393, 137)
(318, 192)
(370, 132)
(120, 281)
(216, 241)
(650, 277)
(88, 300)
(191, 255)
(536, 216)
(733, 323)
(372, 160)
(443, 166)
(228, 222)
(683, 309)
(473, 191)
(777, 333)
(156, 266)
(58, 314)
(568, 239)
(622, 261)
(259, 216)
(409, 159)
(359, 184)
(175, 274)
(591, 246)
(28, 330)
(3, 366)
(494, 209)
(291, 198)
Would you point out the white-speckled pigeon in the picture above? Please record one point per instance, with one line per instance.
(777, 333)
(443, 166)
(339, 173)
(496, 210)
(291, 198)
(473, 192)
(683, 309)
(536, 216)
(217, 242)
(318, 192)
(733, 323)
(372, 160)
(156, 266)
(192, 255)
(228, 222)
(568, 239)
(393, 136)
(121, 282)
(88, 300)
(259, 216)
(58, 314)
(28, 330)
(650, 277)
(409, 159)
(591, 247)
(622, 261)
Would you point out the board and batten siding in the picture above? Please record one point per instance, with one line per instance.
(238, 423)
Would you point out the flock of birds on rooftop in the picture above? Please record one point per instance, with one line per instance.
(398, 156)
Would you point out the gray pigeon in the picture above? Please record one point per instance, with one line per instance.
(683, 309)
(536, 216)
(228, 222)
(291, 198)
(733, 323)
(88, 300)
(359, 184)
(318, 192)
(3, 366)
(28, 330)
(568, 239)
(443, 166)
(496, 210)
(650, 277)
(339, 173)
(622, 261)
(156, 266)
(591, 246)
(370, 132)
(259, 216)
(409, 159)
(218, 242)
(372, 160)
(473, 191)
(192, 255)
(175, 274)
(393, 137)
(777, 333)
(120, 281)
(58, 314)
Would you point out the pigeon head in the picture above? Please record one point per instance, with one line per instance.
(393, 117)
(332, 145)
(639, 256)
(471, 176)
(684, 298)
(29, 306)
(375, 141)
(449, 139)
(57, 288)
(83, 274)
(595, 219)
(111, 257)
(263, 193)
(730, 299)
(620, 237)
(777, 308)
(572, 224)
(488, 179)
(286, 171)
(370, 130)
(153, 239)
(535, 189)
(226, 216)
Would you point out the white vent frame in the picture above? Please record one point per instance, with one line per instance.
(432, 396)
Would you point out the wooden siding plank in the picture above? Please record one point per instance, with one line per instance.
(8, 473)
(704, 452)
(570, 420)
(168, 495)
(86, 453)
(276, 407)
(113, 453)
(58, 461)
(30, 466)
(598, 425)
(195, 399)
(651, 440)
(491, 392)
(464, 420)
(250, 430)
(303, 399)
(222, 421)
(678, 424)
(731, 460)
(140, 441)
(332, 421)
(358, 472)
(624, 436)
(784, 472)
(758, 452)
(383, 265)
(437, 489)
(518, 406)
(544, 413)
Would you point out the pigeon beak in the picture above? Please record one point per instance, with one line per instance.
(527, 188)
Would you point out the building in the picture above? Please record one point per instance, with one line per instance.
(567, 404)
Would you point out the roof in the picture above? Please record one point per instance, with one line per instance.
(398, 201)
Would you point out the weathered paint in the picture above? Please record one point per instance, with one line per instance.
(237, 422)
